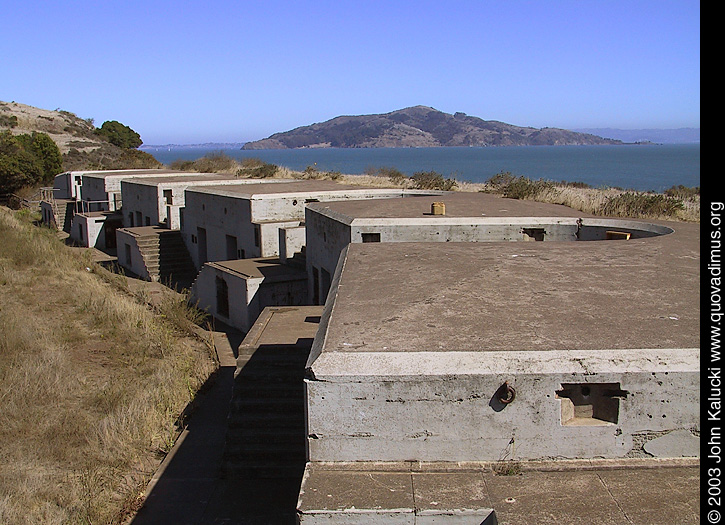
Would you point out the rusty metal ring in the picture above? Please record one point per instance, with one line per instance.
(506, 394)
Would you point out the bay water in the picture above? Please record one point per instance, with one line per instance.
(630, 166)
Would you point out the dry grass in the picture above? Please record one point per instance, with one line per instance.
(610, 202)
(678, 204)
(91, 383)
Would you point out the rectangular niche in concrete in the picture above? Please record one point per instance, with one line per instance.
(533, 234)
(612, 235)
(370, 237)
(589, 404)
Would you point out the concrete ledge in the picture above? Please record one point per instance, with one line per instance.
(557, 465)
(394, 496)
(411, 365)
(642, 492)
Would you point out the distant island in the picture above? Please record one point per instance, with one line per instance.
(420, 127)
(205, 145)
(657, 136)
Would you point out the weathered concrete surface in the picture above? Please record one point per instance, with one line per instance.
(253, 214)
(153, 197)
(519, 296)
(600, 341)
(457, 204)
(604, 492)
(470, 217)
(252, 285)
(676, 443)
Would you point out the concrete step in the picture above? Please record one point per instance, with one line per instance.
(264, 469)
(166, 257)
(265, 451)
(283, 357)
(268, 390)
(267, 423)
(175, 266)
(268, 406)
(248, 434)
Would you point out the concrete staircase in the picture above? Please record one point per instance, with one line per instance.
(266, 434)
(166, 258)
(65, 210)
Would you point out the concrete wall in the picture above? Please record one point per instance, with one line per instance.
(441, 406)
(254, 220)
(329, 232)
(140, 201)
(291, 241)
(68, 185)
(94, 192)
(129, 255)
(247, 295)
(240, 292)
(95, 230)
(150, 197)
(327, 235)
(219, 216)
(47, 213)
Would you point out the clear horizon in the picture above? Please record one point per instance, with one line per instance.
(236, 72)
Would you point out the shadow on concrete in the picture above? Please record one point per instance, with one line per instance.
(241, 456)
(189, 477)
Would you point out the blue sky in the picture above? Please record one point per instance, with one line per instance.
(233, 71)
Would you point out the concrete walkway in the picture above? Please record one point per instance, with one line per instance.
(189, 487)
(604, 492)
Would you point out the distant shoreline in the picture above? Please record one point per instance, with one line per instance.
(628, 136)
(204, 145)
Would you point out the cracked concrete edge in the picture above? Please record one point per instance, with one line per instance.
(554, 465)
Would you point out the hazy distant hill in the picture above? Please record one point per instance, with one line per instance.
(419, 126)
(660, 136)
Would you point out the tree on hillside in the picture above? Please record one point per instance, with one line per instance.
(46, 151)
(27, 160)
(119, 135)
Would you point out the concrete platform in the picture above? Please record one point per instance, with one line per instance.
(519, 296)
(646, 492)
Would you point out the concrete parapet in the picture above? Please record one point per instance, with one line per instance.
(448, 406)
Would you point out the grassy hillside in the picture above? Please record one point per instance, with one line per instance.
(77, 138)
(91, 381)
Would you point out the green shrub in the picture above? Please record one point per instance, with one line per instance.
(46, 151)
(311, 171)
(258, 171)
(214, 162)
(108, 157)
(251, 163)
(525, 188)
(574, 184)
(517, 187)
(119, 135)
(502, 179)
(27, 160)
(8, 121)
(182, 165)
(432, 180)
(393, 174)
